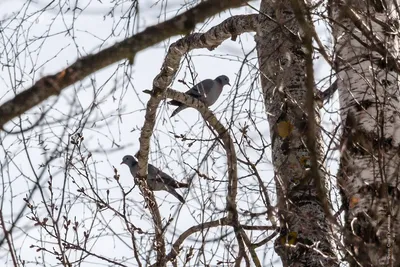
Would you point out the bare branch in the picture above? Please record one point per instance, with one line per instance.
(9, 240)
(175, 247)
(211, 39)
(232, 169)
(52, 85)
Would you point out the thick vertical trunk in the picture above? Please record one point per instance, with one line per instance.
(365, 34)
(304, 239)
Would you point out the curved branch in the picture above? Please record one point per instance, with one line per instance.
(175, 247)
(223, 133)
(229, 28)
(214, 37)
(52, 85)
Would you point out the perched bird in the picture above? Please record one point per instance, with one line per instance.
(156, 179)
(207, 91)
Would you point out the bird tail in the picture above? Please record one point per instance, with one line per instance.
(175, 194)
(177, 110)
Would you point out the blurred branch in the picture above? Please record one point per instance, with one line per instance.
(328, 93)
(52, 85)
(9, 239)
(372, 40)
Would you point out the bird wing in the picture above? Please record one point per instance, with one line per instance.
(213, 94)
(161, 177)
(201, 89)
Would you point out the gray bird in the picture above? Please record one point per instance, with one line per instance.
(156, 179)
(206, 91)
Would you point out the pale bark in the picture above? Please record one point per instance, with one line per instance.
(296, 150)
(369, 99)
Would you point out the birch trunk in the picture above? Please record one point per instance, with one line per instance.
(368, 91)
(304, 238)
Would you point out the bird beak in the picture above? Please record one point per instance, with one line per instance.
(229, 84)
(121, 163)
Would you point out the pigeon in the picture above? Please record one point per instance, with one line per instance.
(206, 91)
(156, 179)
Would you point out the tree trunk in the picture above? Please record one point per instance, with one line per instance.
(369, 98)
(296, 141)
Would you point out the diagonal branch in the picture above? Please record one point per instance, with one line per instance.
(52, 85)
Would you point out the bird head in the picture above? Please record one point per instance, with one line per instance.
(129, 160)
(223, 79)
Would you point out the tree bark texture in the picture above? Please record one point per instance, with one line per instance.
(304, 238)
(369, 98)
